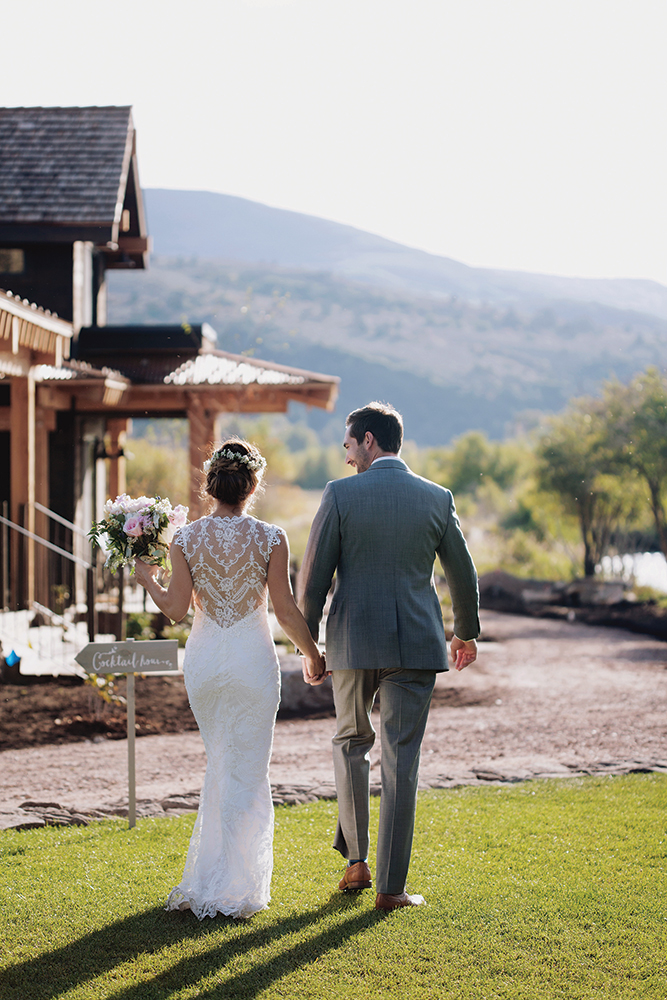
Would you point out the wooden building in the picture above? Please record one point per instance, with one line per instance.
(71, 208)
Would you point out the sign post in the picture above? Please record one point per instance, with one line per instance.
(130, 658)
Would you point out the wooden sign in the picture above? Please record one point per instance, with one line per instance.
(129, 657)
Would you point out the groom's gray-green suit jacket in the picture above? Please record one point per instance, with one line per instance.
(379, 532)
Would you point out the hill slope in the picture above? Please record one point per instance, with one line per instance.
(448, 364)
(221, 227)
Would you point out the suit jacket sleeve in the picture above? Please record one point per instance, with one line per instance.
(461, 578)
(320, 560)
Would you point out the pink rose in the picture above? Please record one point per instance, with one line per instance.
(179, 516)
(134, 526)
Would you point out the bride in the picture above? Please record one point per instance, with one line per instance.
(232, 678)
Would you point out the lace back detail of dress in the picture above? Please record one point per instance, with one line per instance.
(228, 559)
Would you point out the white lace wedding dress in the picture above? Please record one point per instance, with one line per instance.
(232, 678)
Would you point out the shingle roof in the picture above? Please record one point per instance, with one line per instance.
(216, 369)
(105, 386)
(64, 166)
(76, 371)
(179, 358)
(24, 324)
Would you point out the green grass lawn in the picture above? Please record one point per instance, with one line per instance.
(539, 890)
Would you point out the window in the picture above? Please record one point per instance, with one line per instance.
(12, 261)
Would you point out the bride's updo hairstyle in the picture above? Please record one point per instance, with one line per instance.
(233, 472)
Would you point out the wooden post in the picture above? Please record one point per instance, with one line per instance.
(117, 431)
(202, 434)
(91, 595)
(44, 422)
(22, 482)
(131, 754)
(5, 558)
(82, 285)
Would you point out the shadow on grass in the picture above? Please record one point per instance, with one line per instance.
(56, 972)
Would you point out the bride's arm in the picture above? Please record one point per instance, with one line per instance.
(175, 600)
(290, 618)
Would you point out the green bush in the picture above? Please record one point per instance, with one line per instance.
(179, 631)
(139, 625)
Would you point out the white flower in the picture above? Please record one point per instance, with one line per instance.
(256, 464)
(139, 506)
(118, 506)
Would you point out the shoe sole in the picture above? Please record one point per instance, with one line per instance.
(355, 886)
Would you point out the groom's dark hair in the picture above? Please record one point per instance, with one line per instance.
(382, 420)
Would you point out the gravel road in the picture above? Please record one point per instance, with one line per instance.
(544, 698)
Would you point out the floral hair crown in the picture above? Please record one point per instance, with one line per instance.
(255, 464)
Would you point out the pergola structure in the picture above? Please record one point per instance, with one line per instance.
(167, 372)
(176, 371)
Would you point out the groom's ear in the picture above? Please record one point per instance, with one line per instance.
(368, 439)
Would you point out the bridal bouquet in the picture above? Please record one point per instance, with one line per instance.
(137, 529)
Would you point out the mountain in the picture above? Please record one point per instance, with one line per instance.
(448, 364)
(221, 227)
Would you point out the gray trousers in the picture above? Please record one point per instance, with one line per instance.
(405, 696)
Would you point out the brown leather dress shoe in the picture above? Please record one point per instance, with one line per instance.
(357, 876)
(389, 901)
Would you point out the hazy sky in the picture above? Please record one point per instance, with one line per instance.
(522, 134)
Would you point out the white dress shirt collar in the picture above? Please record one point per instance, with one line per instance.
(388, 458)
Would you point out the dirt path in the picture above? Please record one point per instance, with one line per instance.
(545, 698)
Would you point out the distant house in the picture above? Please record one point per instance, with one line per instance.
(71, 208)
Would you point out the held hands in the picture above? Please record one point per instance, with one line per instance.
(314, 670)
(463, 653)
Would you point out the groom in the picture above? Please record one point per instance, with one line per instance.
(379, 533)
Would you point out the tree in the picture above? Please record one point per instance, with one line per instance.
(154, 469)
(470, 461)
(574, 463)
(637, 436)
